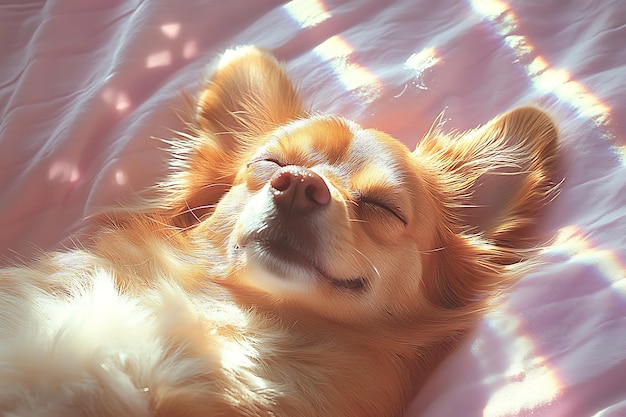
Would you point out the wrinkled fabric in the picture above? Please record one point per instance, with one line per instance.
(88, 87)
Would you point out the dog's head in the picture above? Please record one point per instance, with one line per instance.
(319, 215)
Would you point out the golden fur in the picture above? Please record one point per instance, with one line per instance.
(237, 293)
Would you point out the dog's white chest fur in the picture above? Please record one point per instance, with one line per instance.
(90, 347)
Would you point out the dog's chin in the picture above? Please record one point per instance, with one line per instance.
(280, 268)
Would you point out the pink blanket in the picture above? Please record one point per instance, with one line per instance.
(86, 86)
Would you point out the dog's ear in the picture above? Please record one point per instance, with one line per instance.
(494, 182)
(498, 177)
(248, 96)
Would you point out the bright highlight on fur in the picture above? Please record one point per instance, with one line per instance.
(294, 264)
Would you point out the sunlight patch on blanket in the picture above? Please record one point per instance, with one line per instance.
(63, 172)
(159, 59)
(560, 83)
(572, 241)
(336, 51)
(307, 13)
(120, 177)
(420, 62)
(171, 30)
(620, 151)
(496, 10)
(530, 380)
(544, 77)
(356, 78)
(191, 49)
(529, 389)
(119, 100)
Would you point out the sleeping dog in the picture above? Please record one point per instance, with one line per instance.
(293, 264)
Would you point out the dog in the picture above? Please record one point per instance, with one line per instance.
(292, 264)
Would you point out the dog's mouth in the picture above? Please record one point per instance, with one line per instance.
(282, 260)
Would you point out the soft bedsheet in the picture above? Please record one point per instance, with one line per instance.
(87, 85)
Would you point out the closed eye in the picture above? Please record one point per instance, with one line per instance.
(395, 211)
(269, 160)
(260, 171)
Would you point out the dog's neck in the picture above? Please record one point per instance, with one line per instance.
(308, 363)
(308, 358)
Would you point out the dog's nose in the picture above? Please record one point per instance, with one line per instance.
(299, 190)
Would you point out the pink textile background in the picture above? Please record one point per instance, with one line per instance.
(85, 86)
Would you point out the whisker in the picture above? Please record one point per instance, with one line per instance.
(218, 184)
(437, 123)
(183, 135)
(168, 227)
(357, 220)
(370, 262)
(429, 251)
(178, 230)
(191, 210)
